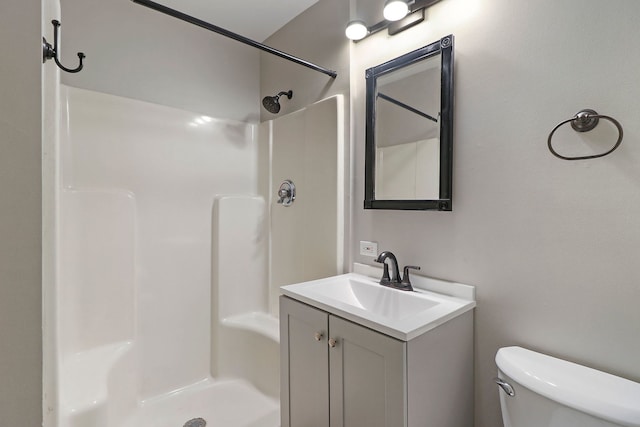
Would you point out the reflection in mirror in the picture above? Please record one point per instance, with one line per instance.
(409, 123)
(407, 136)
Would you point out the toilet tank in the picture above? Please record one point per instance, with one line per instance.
(550, 392)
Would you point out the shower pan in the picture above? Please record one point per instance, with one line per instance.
(166, 266)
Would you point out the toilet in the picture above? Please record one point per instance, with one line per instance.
(537, 390)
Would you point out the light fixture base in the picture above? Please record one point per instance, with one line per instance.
(407, 22)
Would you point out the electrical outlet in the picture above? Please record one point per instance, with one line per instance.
(368, 248)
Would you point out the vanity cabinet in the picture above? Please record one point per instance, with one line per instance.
(337, 373)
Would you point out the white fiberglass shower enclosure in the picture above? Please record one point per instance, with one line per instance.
(170, 248)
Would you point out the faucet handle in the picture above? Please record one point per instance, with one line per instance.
(406, 282)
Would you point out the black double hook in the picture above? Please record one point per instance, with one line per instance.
(51, 52)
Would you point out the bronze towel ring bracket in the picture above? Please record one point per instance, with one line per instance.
(584, 121)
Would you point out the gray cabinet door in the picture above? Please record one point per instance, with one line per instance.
(304, 365)
(367, 377)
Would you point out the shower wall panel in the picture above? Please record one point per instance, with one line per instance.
(97, 269)
(307, 237)
(171, 164)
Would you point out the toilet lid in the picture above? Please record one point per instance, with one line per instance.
(585, 389)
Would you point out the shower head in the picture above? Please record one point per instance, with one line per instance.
(272, 103)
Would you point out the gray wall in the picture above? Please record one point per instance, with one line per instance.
(136, 52)
(317, 36)
(551, 245)
(20, 211)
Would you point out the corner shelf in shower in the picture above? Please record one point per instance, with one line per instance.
(258, 322)
(86, 373)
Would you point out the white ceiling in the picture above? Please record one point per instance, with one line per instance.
(256, 19)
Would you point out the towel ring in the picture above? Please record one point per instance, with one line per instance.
(584, 121)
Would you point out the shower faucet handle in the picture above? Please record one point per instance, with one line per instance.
(283, 192)
(286, 193)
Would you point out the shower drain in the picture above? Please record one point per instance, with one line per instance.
(196, 422)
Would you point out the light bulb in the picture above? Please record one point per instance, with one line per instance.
(395, 10)
(356, 30)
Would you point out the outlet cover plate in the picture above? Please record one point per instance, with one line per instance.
(368, 248)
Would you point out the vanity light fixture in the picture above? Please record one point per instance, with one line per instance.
(356, 30)
(399, 15)
(395, 10)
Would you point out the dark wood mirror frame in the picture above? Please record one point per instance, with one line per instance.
(444, 48)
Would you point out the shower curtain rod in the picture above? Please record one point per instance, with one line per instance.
(195, 21)
(407, 107)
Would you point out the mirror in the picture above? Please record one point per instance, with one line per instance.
(409, 130)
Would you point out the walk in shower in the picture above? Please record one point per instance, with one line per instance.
(170, 249)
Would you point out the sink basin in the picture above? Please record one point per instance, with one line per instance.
(361, 299)
(363, 293)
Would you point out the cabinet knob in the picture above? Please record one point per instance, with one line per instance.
(317, 336)
(332, 342)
